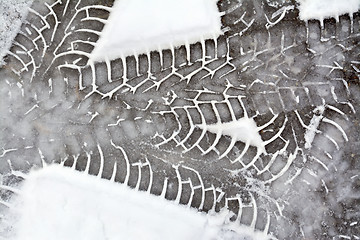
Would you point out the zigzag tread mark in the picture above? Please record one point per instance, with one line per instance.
(56, 34)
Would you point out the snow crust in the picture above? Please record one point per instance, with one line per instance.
(140, 26)
(60, 203)
(322, 9)
(12, 13)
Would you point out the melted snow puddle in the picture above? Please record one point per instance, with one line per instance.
(140, 26)
(60, 203)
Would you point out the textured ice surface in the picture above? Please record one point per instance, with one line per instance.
(140, 26)
(12, 12)
(142, 120)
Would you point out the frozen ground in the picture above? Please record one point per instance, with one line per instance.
(261, 121)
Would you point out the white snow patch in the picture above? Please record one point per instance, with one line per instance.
(243, 129)
(60, 203)
(140, 26)
(312, 129)
(322, 9)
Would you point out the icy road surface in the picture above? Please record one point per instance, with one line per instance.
(258, 119)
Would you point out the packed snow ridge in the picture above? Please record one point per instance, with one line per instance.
(141, 26)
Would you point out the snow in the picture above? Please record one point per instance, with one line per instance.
(12, 12)
(322, 9)
(140, 26)
(59, 203)
(313, 126)
(243, 129)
